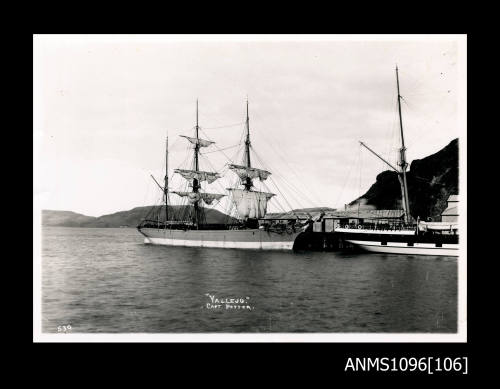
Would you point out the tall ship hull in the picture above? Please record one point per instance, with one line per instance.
(256, 239)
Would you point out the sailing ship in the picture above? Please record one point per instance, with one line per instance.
(411, 237)
(248, 230)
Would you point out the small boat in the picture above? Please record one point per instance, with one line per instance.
(411, 236)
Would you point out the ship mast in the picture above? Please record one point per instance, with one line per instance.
(197, 176)
(196, 168)
(402, 161)
(248, 183)
(166, 184)
(403, 164)
(250, 204)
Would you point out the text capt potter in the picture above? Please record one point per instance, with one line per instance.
(240, 303)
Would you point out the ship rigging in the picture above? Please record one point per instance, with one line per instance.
(247, 205)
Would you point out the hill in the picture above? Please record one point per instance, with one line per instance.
(431, 181)
(129, 218)
(64, 218)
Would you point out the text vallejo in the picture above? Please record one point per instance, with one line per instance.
(228, 303)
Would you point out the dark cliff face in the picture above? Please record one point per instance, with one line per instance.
(431, 181)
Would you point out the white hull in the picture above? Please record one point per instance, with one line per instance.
(229, 239)
(221, 244)
(403, 248)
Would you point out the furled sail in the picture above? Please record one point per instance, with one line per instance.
(198, 141)
(193, 197)
(243, 172)
(208, 198)
(198, 174)
(250, 204)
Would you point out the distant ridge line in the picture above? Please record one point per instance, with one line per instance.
(131, 217)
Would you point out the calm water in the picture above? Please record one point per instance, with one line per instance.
(107, 280)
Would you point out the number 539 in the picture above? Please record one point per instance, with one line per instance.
(63, 328)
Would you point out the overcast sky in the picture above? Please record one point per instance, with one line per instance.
(104, 105)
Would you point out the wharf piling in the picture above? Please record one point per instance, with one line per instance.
(321, 241)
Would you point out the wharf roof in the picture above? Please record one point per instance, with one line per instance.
(361, 214)
(291, 215)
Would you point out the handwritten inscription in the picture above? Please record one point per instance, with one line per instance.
(64, 329)
(228, 303)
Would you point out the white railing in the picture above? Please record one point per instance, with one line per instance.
(375, 227)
